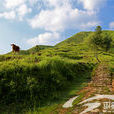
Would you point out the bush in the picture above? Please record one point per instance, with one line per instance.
(31, 83)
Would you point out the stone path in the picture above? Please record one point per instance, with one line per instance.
(103, 84)
(102, 79)
(99, 91)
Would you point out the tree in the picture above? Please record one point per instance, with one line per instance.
(106, 42)
(37, 48)
(95, 41)
(98, 30)
(100, 41)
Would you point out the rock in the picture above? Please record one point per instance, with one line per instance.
(96, 110)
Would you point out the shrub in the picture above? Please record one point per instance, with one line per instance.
(35, 82)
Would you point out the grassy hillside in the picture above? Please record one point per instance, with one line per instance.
(37, 48)
(33, 49)
(36, 76)
(81, 36)
(77, 38)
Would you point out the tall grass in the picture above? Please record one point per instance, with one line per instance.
(34, 83)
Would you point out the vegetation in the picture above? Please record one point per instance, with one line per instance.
(33, 50)
(34, 84)
(100, 41)
(42, 75)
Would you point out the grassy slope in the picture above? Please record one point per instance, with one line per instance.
(33, 49)
(77, 38)
(76, 48)
(73, 50)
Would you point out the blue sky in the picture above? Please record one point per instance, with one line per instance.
(46, 22)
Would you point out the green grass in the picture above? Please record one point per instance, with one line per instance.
(70, 92)
(39, 80)
(36, 83)
(33, 50)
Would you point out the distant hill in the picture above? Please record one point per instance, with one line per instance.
(37, 48)
(77, 38)
(80, 40)
(34, 49)
(81, 36)
(69, 44)
(75, 44)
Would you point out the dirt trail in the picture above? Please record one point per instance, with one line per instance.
(102, 79)
(102, 84)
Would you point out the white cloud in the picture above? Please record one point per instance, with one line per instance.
(58, 14)
(57, 3)
(61, 18)
(48, 20)
(8, 15)
(32, 2)
(47, 38)
(23, 10)
(111, 25)
(92, 4)
(13, 3)
(89, 24)
(20, 7)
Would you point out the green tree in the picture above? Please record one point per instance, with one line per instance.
(106, 42)
(95, 41)
(37, 48)
(100, 41)
(98, 30)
